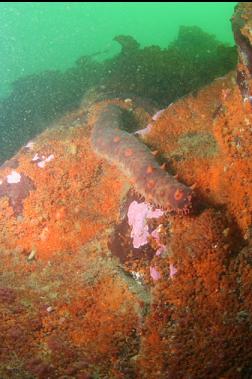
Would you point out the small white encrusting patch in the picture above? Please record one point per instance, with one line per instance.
(137, 276)
(42, 160)
(36, 157)
(42, 163)
(13, 177)
(29, 145)
(128, 101)
(32, 255)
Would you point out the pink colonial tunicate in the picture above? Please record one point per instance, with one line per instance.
(161, 250)
(147, 129)
(154, 273)
(173, 270)
(158, 114)
(143, 132)
(155, 235)
(138, 213)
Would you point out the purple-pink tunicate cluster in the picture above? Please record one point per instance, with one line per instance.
(154, 273)
(147, 129)
(158, 114)
(173, 270)
(161, 247)
(138, 214)
(143, 132)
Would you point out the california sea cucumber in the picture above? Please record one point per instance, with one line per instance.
(136, 161)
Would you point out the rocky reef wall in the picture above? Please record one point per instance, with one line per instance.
(99, 282)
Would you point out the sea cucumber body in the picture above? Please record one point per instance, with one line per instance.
(136, 161)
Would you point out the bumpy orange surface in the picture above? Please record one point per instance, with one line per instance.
(207, 140)
(70, 199)
(70, 309)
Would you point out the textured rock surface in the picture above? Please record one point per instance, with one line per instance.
(242, 27)
(75, 307)
(79, 299)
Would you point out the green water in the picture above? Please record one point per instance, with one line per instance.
(38, 36)
(54, 54)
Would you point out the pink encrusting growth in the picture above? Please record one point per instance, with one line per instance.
(156, 235)
(158, 114)
(154, 273)
(138, 213)
(135, 160)
(145, 131)
(173, 270)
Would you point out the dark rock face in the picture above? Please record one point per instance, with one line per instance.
(241, 24)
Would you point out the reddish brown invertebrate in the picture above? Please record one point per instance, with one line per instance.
(149, 170)
(116, 139)
(136, 160)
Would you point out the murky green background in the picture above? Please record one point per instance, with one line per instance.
(39, 36)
